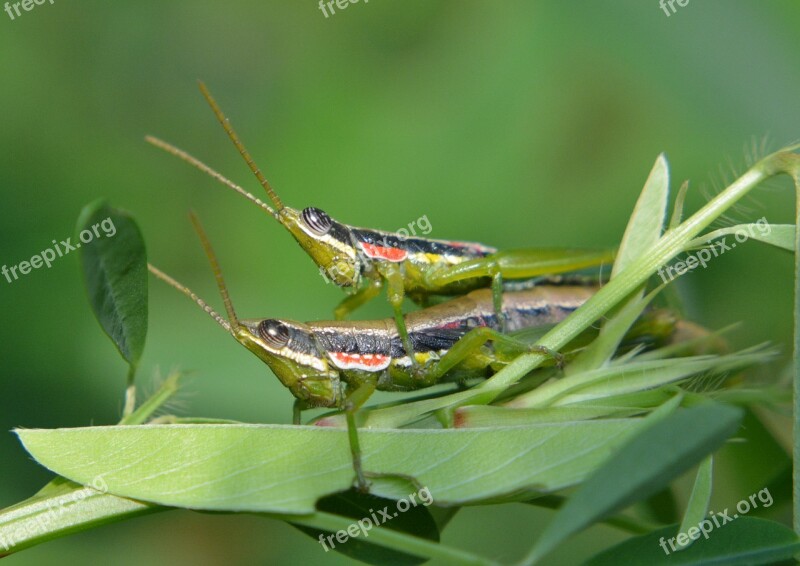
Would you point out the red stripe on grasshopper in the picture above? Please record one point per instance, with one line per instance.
(366, 362)
(380, 252)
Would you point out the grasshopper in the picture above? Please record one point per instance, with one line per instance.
(364, 260)
(339, 364)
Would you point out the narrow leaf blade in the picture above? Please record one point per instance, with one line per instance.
(647, 221)
(649, 462)
(747, 540)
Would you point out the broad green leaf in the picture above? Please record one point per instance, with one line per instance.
(647, 221)
(697, 507)
(747, 540)
(285, 469)
(644, 465)
(114, 265)
(368, 512)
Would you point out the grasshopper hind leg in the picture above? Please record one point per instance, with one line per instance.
(473, 340)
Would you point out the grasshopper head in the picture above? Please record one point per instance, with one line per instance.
(327, 241)
(288, 348)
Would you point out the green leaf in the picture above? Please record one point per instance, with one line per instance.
(368, 512)
(633, 376)
(779, 235)
(646, 464)
(63, 507)
(285, 469)
(747, 540)
(114, 265)
(647, 221)
(697, 507)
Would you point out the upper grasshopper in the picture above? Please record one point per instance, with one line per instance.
(363, 260)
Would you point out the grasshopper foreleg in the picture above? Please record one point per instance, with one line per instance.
(352, 404)
(395, 290)
(361, 297)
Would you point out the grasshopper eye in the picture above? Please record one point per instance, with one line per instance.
(274, 333)
(316, 219)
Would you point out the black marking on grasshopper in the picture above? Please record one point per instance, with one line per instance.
(377, 244)
(372, 345)
(368, 244)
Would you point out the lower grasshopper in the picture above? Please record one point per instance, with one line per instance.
(364, 260)
(339, 364)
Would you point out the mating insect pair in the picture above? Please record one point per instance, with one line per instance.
(319, 362)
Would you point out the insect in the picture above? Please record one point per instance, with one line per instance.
(339, 364)
(363, 260)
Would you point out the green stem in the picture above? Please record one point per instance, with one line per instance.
(130, 392)
(396, 540)
(146, 410)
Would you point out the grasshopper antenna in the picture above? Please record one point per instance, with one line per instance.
(194, 162)
(226, 123)
(189, 293)
(232, 324)
(212, 259)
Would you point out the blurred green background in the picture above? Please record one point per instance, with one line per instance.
(515, 124)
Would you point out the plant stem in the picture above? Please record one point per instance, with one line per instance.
(130, 392)
(396, 540)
